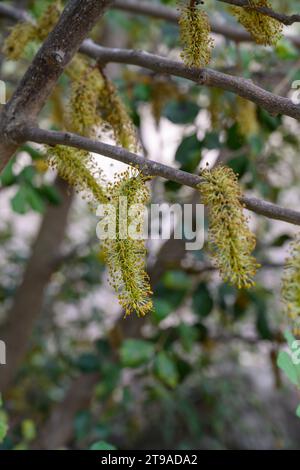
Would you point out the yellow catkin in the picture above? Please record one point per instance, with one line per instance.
(291, 286)
(264, 30)
(114, 112)
(77, 168)
(84, 115)
(246, 117)
(125, 256)
(195, 35)
(230, 239)
(19, 37)
(25, 32)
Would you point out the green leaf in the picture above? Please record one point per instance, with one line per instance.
(34, 200)
(50, 193)
(234, 139)
(176, 280)
(189, 153)
(284, 362)
(239, 164)
(102, 445)
(19, 202)
(285, 50)
(279, 241)
(8, 177)
(188, 335)
(298, 411)
(165, 369)
(135, 352)
(88, 363)
(27, 174)
(162, 308)
(202, 301)
(181, 112)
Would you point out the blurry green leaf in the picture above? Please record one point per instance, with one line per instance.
(279, 241)
(34, 199)
(284, 362)
(181, 112)
(189, 153)
(7, 176)
(298, 411)
(212, 140)
(262, 321)
(82, 424)
(162, 308)
(27, 174)
(234, 139)
(188, 335)
(239, 164)
(50, 193)
(202, 301)
(88, 363)
(176, 280)
(19, 202)
(136, 352)
(102, 445)
(256, 143)
(285, 50)
(165, 369)
(270, 123)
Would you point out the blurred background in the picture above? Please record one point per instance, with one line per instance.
(200, 372)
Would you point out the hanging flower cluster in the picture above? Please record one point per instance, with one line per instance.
(230, 239)
(125, 254)
(264, 29)
(25, 32)
(195, 35)
(291, 286)
(246, 117)
(77, 168)
(114, 113)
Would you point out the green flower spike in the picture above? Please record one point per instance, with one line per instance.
(230, 239)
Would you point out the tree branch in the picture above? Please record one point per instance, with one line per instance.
(170, 14)
(241, 86)
(281, 17)
(15, 14)
(77, 19)
(159, 12)
(151, 168)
